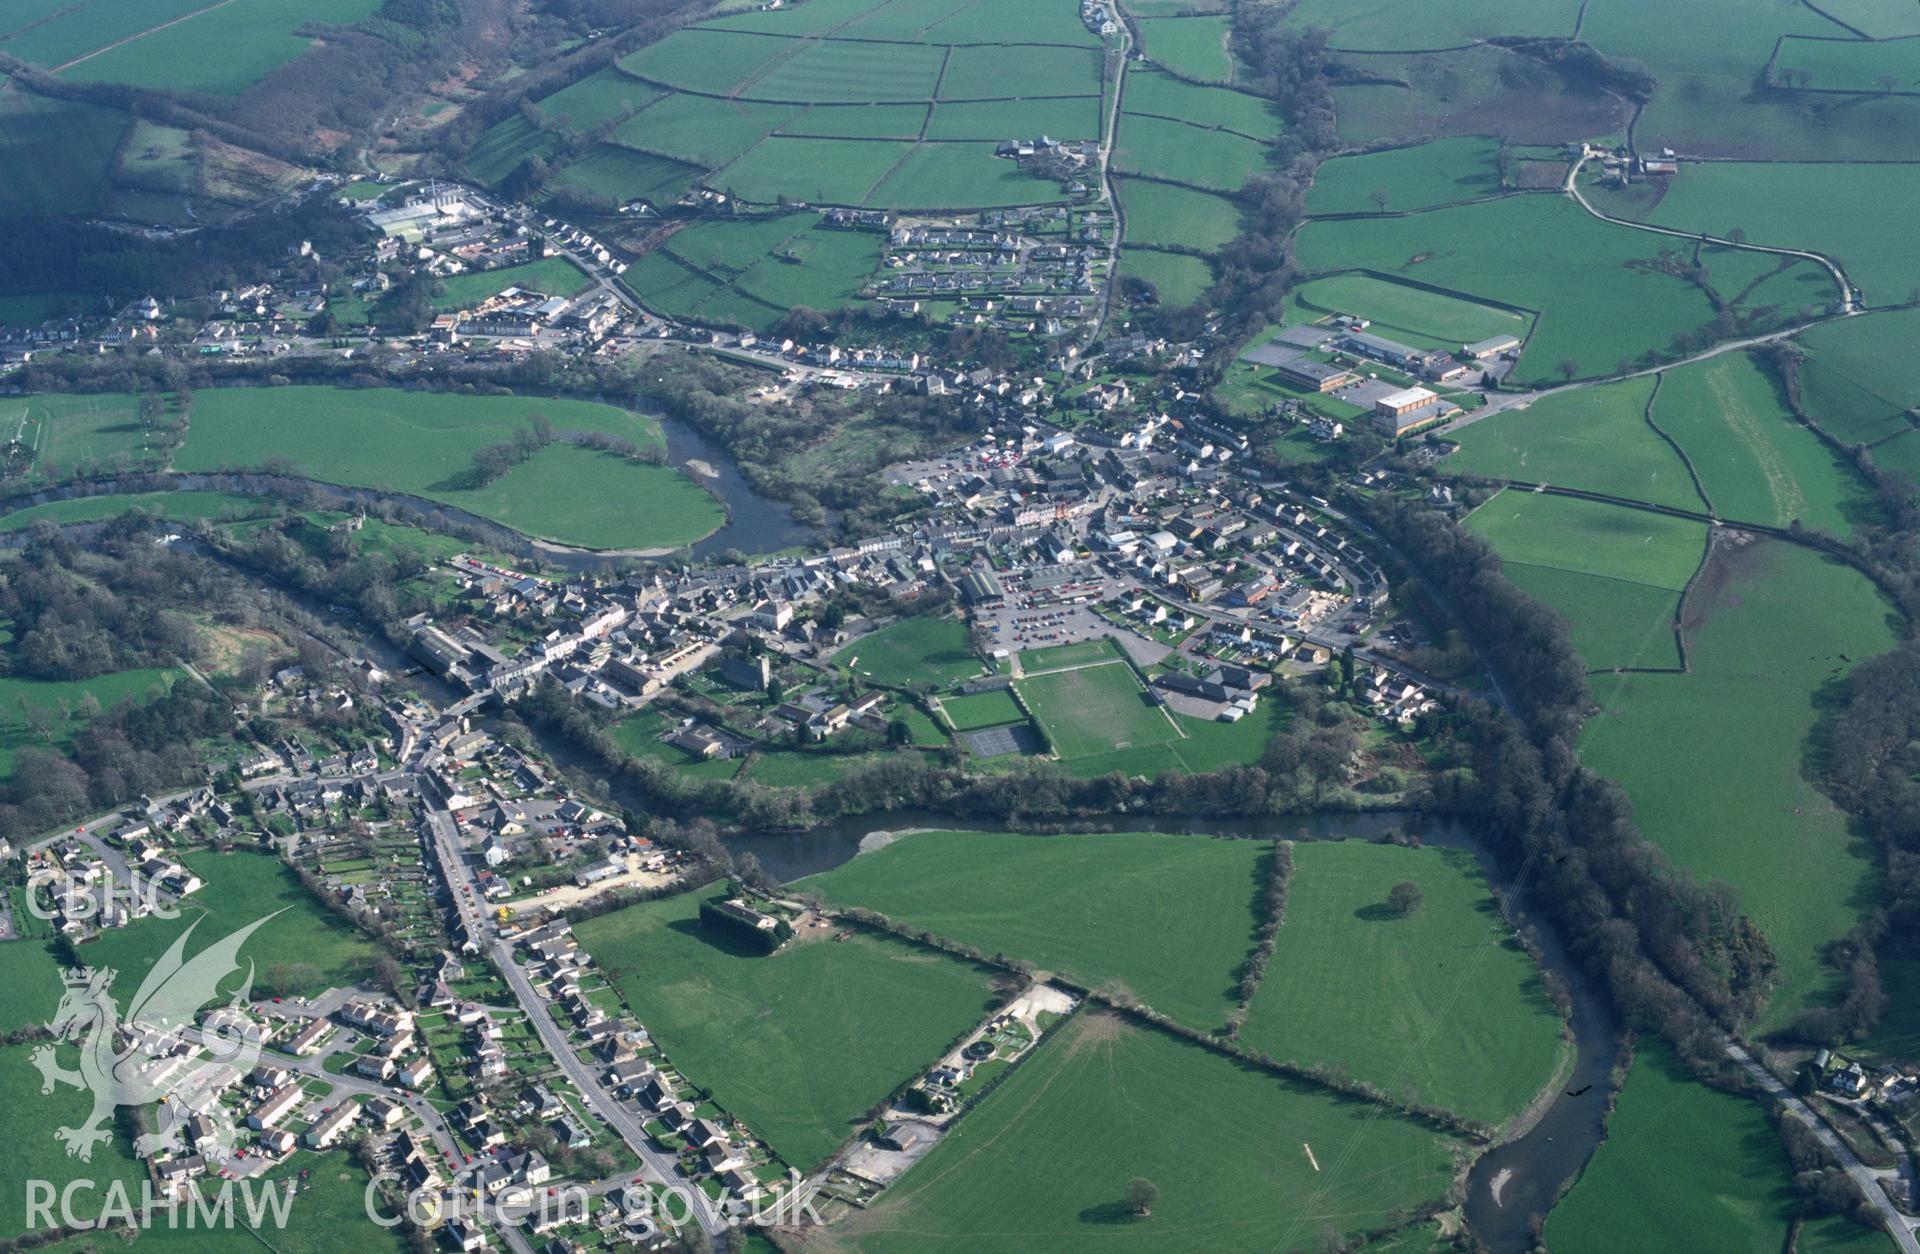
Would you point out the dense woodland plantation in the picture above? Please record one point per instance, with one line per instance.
(960, 625)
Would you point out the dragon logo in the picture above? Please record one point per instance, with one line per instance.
(157, 1052)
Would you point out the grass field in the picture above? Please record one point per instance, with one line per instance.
(708, 60)
(1769, 626)
(1615, 574)
(77, 29)
(820, 171)
(223, 51)
(1079, 653)
(1535, 252)
(1213, 160)
(850, 72)
(1859, 376)
(914, 652)
(623, 174)
(502, 149)
(960, 176)
(30, 974)
(1850, 64)
(69, 431)
(1176, 278)
(600, 97)
(799, 1044)
(1042, 1164)
(1596, 438)
(859, 121)
(639, 734)
(241, 888)
(1192, 47)
(1382, 25)
(1442, 1006)
(982, 709)
(984, 73)
(1170, 919)
(1812, 206)
(182, 505)
(1067, 117)
(57, 701)
(1156, 94)
(32, 1153)
(423, 443)
(1755, 461)
(1095, 709)
(1419, 177)
(791, 768)
(1473, 91)
(701, 130)
(1679, 1157)
(771, 264)
(1411, 315)
(58, 153)
(1209, 745)
(1163, 214)
(550, 276)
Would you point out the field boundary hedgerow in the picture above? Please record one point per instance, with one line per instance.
(1693, 472)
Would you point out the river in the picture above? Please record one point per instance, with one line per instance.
(1530, 1171)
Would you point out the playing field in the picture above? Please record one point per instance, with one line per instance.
(1044, 1161)
(1095, 709)
(1615, 574)
(1398, 179)
(798, 1044)
(423, 443)
(982, 709)
(1769, 626)
(1679, 1157)
(1209, 745)
(1411, 315)
(914, 652)
(72, 432)
(1755, 462)
(1441, 1007)
(1597, 306)
(1168, 919)
(1079, 653)
(1596, 438)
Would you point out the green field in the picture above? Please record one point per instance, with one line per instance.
(1756, 463)
(182, 505)
(241, 888)
(1065, 117)
(708, 60)
(859, 121)
(771, 264)
(1850, 64)
(1615, 574)
(982, 709)
(78, 29)
(1679, 1157)
(1165, 215)
(791, 768)
(502, 149)
(960, 176)
(819, 171)
(58, 153)
(1213, 160)
(551, 276)
(32, 1153)
(799, 1044)
(1811, 206)
(1535, 252)
(1167, 919)
(1177, 279)
(1095, 709)
(1443, 1006)
(30, 974)
(423, 443)
(69, 431)
(1595, 438)
(601, 97)
(1079, 653)
(1192, 47)
(1420, 177)
(1042, 1163)
(1389, 25)
(1152, 93)
(1000, 71)
(849, 72)
(1769, 626)
(223, 51)
(1411, 315)
(639, 734)
(701, 130)
(57, 701)
(1878, 19)
(912, 653)
(622, 174)
(1860, 375)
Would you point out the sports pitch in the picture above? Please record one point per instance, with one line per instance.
(1095, 709)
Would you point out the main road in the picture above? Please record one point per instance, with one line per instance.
(460, 881)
